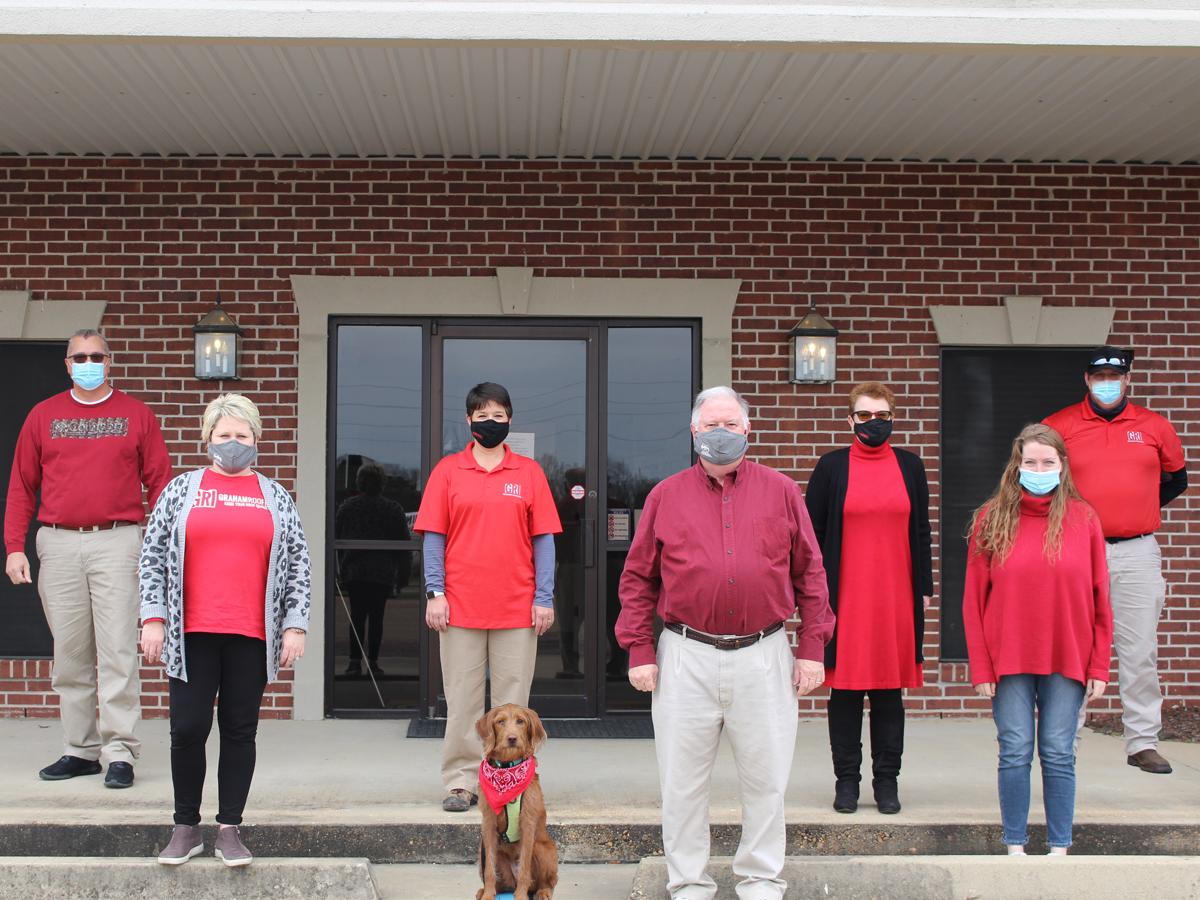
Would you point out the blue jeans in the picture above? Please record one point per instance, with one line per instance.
(1057, 700)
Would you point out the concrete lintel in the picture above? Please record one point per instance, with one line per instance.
(318, 297)
(22, 319)
(1022, 321)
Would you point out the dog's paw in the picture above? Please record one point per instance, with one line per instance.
(545, 894)
(482, 894)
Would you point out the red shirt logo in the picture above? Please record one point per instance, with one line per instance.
(513, 489)
(205, 499)
(1135, 437)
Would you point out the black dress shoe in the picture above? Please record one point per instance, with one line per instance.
(120, 775)
(887, 796)
(69, 767)
(845, 796)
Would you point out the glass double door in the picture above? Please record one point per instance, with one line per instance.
(602, 407)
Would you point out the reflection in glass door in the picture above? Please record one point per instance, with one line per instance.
(547, 372)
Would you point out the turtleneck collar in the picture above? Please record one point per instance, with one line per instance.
(1033, 505)
(1108, 414)
(862, 451)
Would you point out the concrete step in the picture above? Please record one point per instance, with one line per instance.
(592, 842)
(59, 877)
(957, 877)
(575, 882)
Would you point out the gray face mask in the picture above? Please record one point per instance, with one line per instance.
(719, 446)
(233, 456)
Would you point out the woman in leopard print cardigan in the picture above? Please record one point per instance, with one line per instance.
(225, 589)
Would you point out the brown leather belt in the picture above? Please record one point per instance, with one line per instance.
(722, 643)
(105, 527)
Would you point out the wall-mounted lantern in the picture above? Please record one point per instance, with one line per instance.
(813, 350)
(218, 343)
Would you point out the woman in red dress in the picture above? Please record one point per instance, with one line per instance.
(869, 505)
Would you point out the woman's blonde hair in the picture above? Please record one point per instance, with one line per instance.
(994, 524)
(236, 407)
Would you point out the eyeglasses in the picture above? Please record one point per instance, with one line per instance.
(81, 358)
(865, 415)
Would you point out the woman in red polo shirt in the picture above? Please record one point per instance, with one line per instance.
(488, 521)
(225, 590)
(1038, 625)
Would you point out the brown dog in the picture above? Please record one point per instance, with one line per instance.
(528, 866)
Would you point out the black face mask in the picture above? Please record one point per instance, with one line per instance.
(874, 432)
(489, 433)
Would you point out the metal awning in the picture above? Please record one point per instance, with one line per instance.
(758, 81)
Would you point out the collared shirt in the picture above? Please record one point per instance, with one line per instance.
(731, 558)
(1117, 465)
(489, 519)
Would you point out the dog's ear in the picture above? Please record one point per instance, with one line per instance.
(486, 732)
(537, 733)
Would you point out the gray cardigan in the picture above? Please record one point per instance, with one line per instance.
(160, 569)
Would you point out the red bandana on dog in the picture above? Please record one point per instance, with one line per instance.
(501, 786)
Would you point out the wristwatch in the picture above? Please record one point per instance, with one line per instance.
(433, 595)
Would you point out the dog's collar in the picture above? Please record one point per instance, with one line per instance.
(506, 765)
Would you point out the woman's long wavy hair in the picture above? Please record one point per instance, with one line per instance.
(994, 524)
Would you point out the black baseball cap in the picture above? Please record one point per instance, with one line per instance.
(1108, 357)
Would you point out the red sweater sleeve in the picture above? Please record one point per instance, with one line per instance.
(1102, 635)
(976, 593)
(639, 589)
(811, 586)
(156, 461)
(23, 485)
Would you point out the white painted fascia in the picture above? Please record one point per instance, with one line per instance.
(1165, 24)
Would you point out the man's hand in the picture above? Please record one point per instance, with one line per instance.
(644, 678)
(807, 676)
(437, 613)
(17, 568)
(987, 689)
(1095, 689)
(926, 600)
(293, 647)
(543, 618)
(153, 634)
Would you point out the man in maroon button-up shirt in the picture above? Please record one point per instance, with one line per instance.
(725, 549)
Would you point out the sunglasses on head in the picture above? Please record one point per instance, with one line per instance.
(865, 415)
(1111, 361)
(88, 357)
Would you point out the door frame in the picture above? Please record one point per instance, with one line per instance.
(320, 298)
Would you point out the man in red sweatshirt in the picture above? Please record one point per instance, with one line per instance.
(1128, 463)
(89, 450)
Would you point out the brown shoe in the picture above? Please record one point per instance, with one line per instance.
(186, 841)
(459, 800)
(230, 849)
(1150, 760)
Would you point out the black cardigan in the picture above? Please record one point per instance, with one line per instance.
(826, 499)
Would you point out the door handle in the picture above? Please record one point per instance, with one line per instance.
(589, 543)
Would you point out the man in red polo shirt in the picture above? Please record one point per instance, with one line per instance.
(724, 553)
(1128, 463)
(487, 520)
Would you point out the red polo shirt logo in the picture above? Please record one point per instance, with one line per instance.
(513, 488)
(1135, 437)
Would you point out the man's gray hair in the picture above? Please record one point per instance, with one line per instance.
(720, 392)
(89, 333)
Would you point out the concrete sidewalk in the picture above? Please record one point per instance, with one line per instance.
(355, 772)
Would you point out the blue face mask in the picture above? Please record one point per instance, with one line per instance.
(1106, 392)
(1039, 483)
(88, 375)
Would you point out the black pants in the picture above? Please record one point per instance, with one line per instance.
(368, 602)
(232, 669)
(845, 712)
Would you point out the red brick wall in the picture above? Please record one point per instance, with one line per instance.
(872, 245)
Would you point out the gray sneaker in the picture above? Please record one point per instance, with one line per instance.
(230, 849)
(186, 841)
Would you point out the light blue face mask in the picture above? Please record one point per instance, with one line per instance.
(88, 375)
(1106, 392)
(1039, 483)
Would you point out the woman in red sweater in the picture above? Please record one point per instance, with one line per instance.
(1038, 625)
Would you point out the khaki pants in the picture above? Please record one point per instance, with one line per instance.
(748, 695)
(468, 654)
(1138, 592)
(89, 591)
